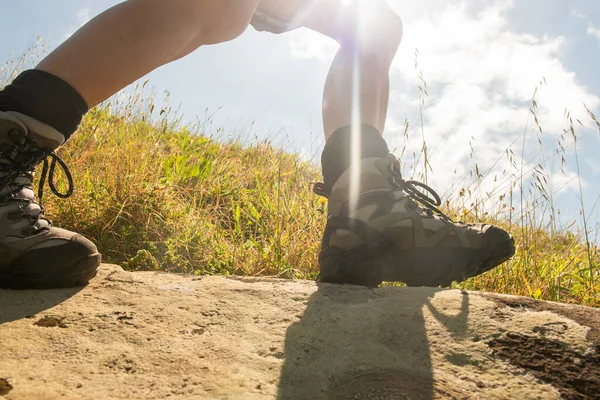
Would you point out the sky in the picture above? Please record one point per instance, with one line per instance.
(482, 63)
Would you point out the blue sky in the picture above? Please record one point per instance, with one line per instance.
(482, 62)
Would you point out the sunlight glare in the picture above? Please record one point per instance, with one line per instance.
(355, 166)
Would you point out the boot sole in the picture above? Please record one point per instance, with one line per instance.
(417, 267)
(78, 273)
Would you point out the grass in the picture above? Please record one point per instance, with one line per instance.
(155, 195)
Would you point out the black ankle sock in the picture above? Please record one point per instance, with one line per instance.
(336, 157)
(46, 98)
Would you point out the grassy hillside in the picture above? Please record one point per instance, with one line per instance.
(158, 197)
(155, 197)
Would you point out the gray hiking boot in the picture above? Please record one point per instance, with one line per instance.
(396, 233)
(33, 253)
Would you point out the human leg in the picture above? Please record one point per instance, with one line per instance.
(43, 107)
(137, 36)
(369, 33)
(380, 227)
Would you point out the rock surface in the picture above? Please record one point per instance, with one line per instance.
(152, 335)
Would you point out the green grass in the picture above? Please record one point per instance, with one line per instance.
(158, 196)
(154, 197)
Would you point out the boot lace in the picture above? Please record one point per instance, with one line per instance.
(17, 166)
(410, 187)
(429, 202)
(48, 170)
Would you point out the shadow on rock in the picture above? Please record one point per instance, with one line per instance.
(360, 343)
(18, 304)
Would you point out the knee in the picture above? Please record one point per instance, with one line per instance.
(377, 37)
(388, 39)
(213, 21)
(230, 20)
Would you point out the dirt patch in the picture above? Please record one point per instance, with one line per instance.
(123, 364)
(5, 387)
(585, 316)
(51, 322)
(575, 375)
(391, 385)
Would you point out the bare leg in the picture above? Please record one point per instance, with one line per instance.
(39, 111)
(369, 33)
(137, 36)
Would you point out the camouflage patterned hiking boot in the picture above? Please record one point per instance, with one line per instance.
(396, 233)
(33, 253)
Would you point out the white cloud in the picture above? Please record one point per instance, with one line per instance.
(305, 43)
(481, 77)
(83, 16)
(594, 31)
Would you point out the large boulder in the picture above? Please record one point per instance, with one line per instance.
(148, 335)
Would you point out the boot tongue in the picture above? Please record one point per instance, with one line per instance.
(373, 174)
(24, 141)
(38, 132)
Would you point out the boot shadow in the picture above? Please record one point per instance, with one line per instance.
(360, 343)
(19, 304)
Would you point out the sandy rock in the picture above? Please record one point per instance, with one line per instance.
(148, 335)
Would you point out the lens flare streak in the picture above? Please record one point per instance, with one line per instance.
(355, 166)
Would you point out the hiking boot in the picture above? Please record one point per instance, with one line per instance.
(396, 233)
(33, 253)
